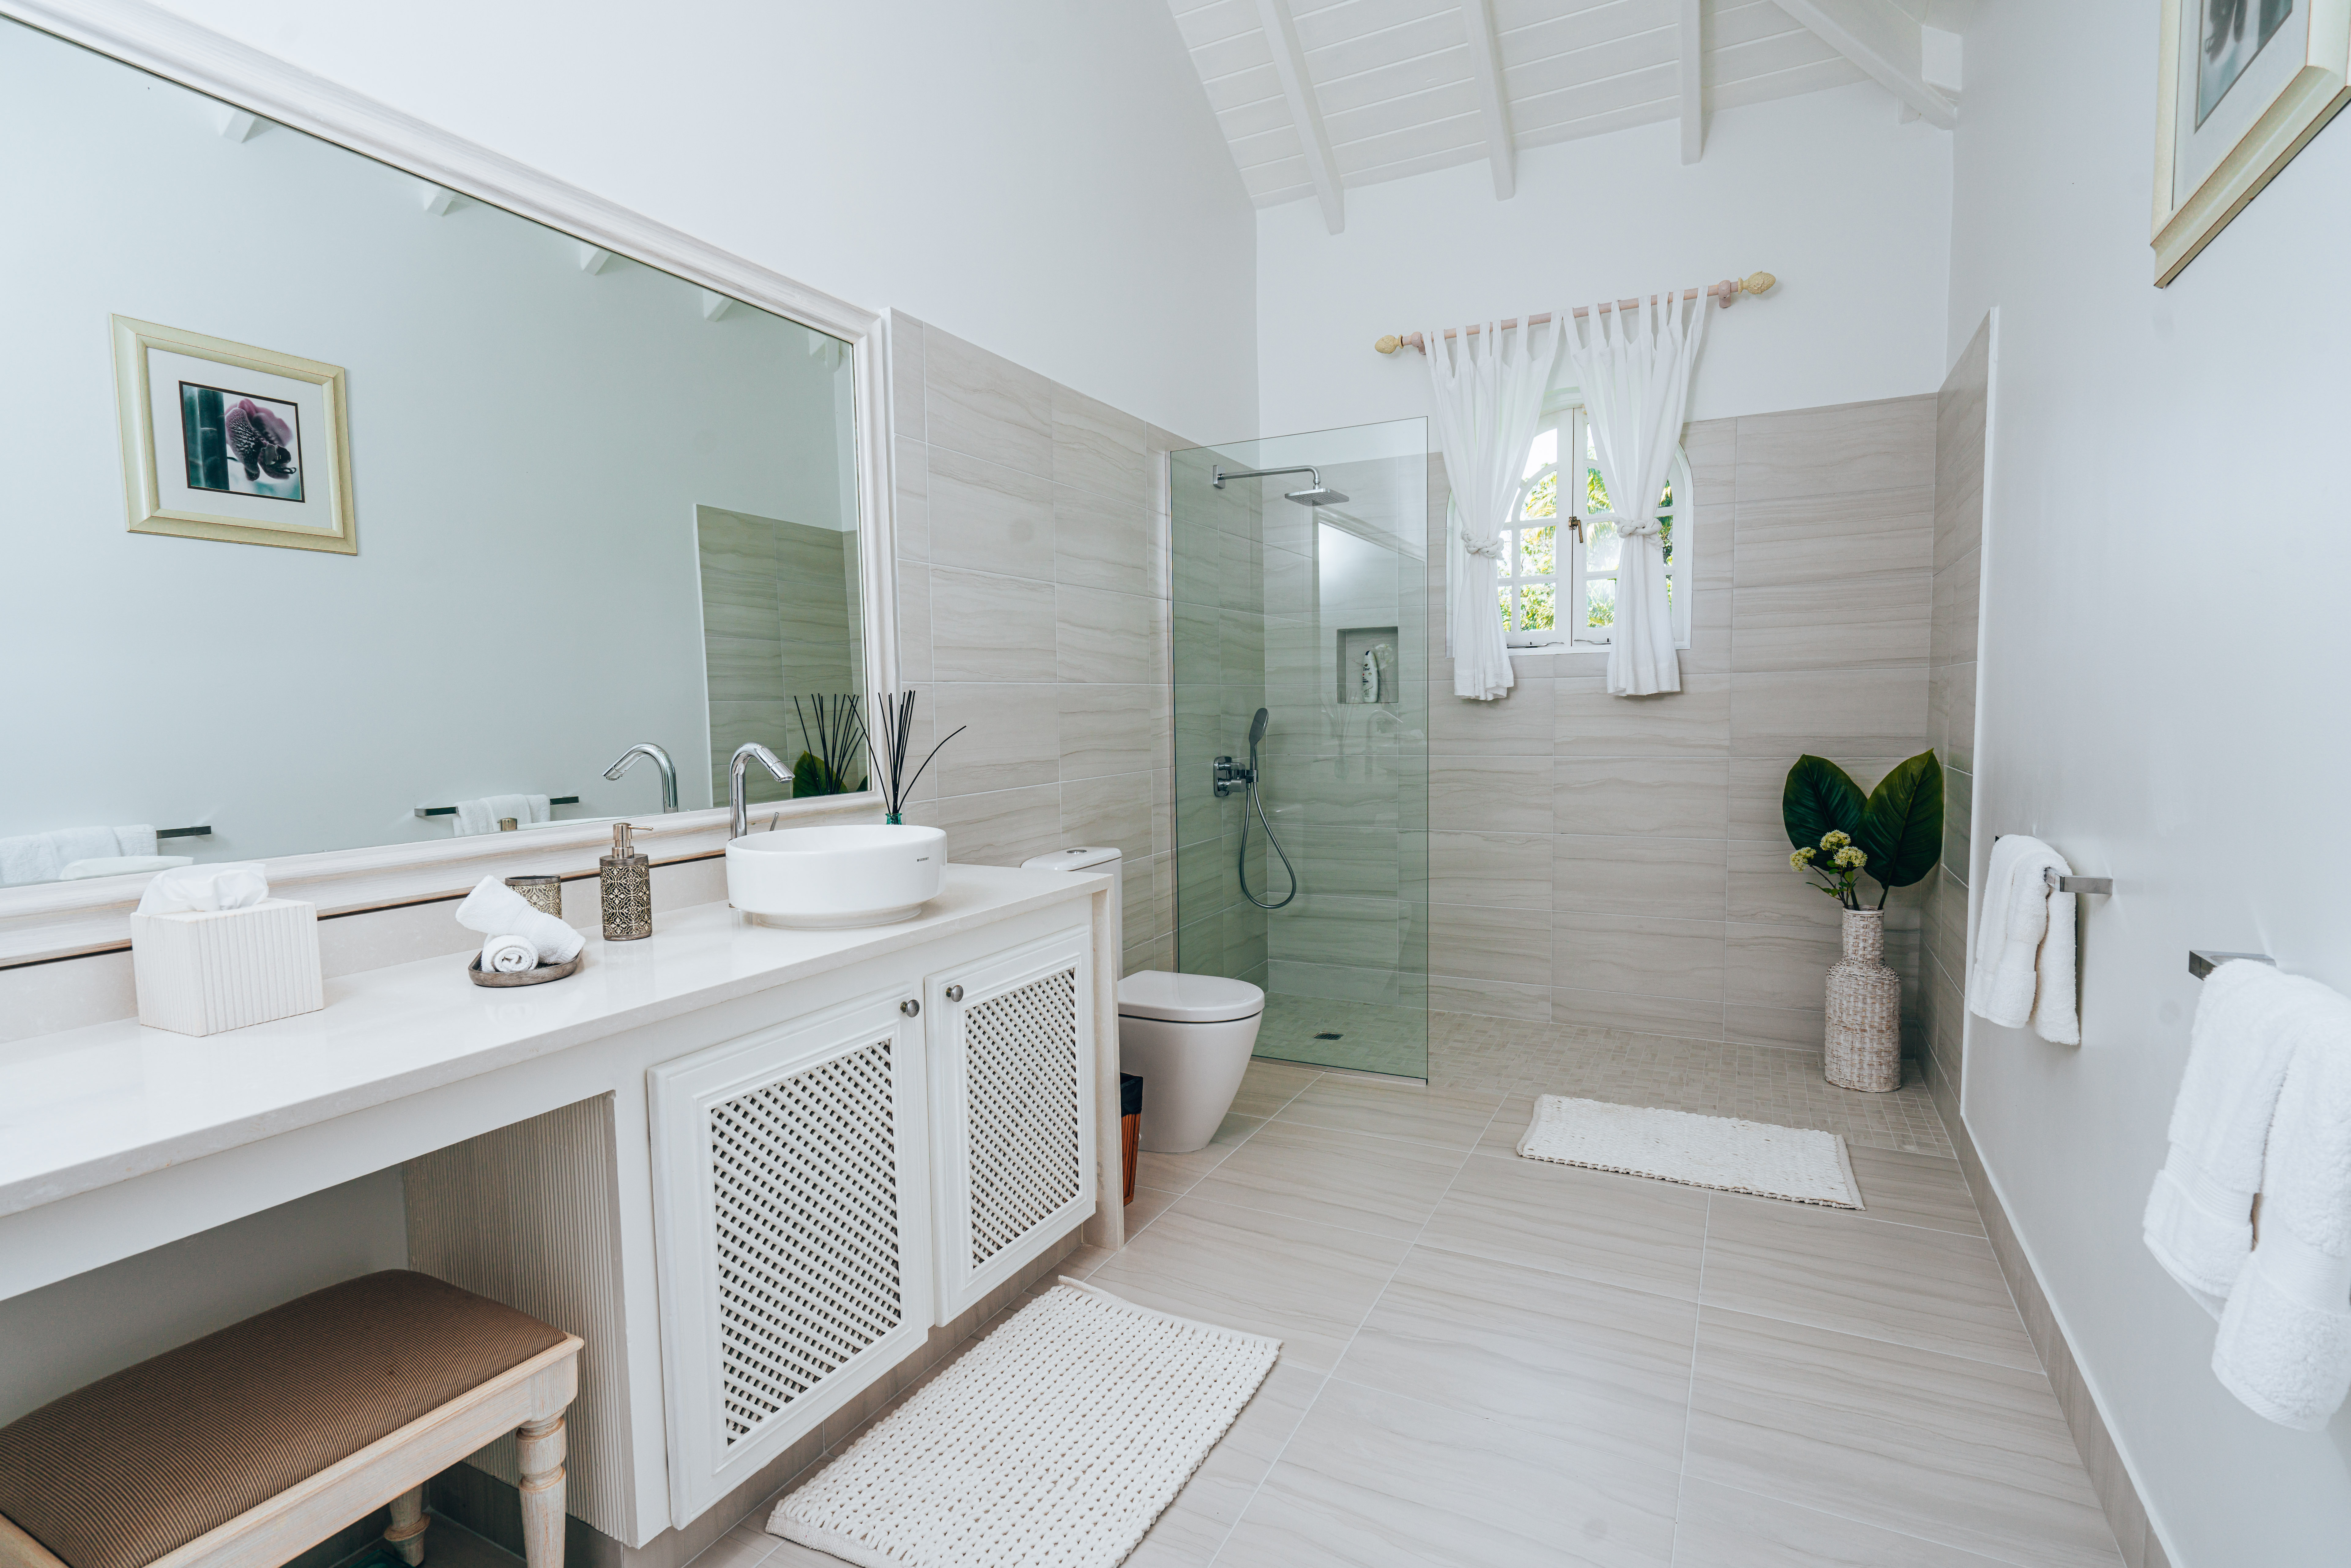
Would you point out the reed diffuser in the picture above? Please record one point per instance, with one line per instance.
(887, 742)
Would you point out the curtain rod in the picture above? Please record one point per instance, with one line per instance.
(1722, 293)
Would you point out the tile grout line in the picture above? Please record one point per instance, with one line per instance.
(1329, 1376)
(1689, 1398)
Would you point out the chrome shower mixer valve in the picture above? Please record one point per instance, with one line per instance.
(1231, 779)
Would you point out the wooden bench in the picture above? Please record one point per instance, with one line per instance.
(244, 1449)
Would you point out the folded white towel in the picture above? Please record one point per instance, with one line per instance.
(42, 857)
(2199, 1220)
(509, 955)
(494, 909)
(121, 865)
(2022, 971)
(2284, 1346)
(224, 885)
(482, 816)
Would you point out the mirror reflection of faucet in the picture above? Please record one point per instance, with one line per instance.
(661, 760)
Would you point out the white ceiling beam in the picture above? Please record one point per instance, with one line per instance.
(1289, 64)
(1883, 41)
(1493, 100)
(1693, 81)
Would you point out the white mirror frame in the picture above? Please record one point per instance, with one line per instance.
(54, 920)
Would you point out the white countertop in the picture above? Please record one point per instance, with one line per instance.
(91, 1106)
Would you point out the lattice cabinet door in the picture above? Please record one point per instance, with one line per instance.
(791, 1191)
(1012, 1079)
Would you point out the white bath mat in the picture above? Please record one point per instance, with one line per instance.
(1720, 1152)
(1057, 1440)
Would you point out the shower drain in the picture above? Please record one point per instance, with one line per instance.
(1327, 1034)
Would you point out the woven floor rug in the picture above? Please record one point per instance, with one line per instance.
(1720, 1152)
(1057, 1440)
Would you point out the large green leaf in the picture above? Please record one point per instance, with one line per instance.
(1902, 826)
(1820, 797)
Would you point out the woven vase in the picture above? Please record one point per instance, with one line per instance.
(1864, 1044)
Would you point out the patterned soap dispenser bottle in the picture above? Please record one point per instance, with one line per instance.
(627, 879)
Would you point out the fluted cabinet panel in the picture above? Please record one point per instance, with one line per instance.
(528, 1214)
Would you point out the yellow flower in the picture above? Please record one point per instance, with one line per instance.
(1852, 858)
(1835, 838)
(1802, 858)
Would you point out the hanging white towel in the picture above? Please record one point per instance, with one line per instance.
(2199, 1220)
(482, 816)
(2284, 1346)
(2022, 971)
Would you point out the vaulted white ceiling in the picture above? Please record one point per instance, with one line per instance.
(1318, 94)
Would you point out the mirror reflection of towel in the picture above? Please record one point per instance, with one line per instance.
(482, 816)
(42, 857)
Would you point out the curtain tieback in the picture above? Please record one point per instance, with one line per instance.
(1626, 528)
(1491, 549)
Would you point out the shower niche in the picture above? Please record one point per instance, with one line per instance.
(1368, 671)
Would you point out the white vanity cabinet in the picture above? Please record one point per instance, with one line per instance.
(828, 1187)
(1012, 1086)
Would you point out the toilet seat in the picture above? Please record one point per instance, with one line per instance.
(1187, 999)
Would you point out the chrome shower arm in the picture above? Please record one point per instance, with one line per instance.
(1220, 475)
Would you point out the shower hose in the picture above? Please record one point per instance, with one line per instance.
(1258, 806)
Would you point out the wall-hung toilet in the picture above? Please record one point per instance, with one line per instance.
(1187, 1037)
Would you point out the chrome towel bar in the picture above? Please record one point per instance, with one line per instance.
(2202, 961)
(452, 810)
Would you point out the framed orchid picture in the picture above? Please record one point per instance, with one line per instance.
(224, 441)
(2244, 85)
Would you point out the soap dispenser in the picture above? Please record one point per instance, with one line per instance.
(627, 879)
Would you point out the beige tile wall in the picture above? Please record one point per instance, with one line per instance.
(1620, 862)
(1033, 608)
(1959, 411)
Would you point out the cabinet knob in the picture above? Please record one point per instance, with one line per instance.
(955, 993)
(910, 1007)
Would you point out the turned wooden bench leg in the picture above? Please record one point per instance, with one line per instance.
(409, 1519)
(538, 1451)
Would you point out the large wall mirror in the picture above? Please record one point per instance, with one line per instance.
(344, 511)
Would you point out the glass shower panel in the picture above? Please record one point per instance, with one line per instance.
(1302, 846)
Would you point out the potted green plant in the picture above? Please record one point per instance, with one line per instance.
(1893, 836)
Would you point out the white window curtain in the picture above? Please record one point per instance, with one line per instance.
(1488, 401)
(1636, 384)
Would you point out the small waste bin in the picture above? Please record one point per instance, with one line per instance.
(1130, 1127)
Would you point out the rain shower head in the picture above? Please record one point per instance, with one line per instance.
(1318, 494)
(1256, 727)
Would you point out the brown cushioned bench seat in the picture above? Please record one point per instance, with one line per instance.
(139, 1464)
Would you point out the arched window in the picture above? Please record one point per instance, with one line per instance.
(1558, 570)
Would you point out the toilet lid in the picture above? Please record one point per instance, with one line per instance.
(1187, 999)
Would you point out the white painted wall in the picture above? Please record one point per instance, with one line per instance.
(1041, 177)
(2163, 649)
(1848, 208)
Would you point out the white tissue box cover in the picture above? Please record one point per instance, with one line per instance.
(203, 971)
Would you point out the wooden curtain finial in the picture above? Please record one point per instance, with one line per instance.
(1757, 282)
(1389, 344)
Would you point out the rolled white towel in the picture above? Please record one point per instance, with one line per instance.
(509, 955)
(494, 909)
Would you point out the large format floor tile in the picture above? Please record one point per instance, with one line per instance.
(1617, 1231)
(1492, 1339)
(1722, 1528)
(1195, 1525)
(1308, 1285)
(1373, 1480)
(1835, 1269)
(1387, 1186)
(1449, 1118)
(1180, 1173)
(1959, 1452)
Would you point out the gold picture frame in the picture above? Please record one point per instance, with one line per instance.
(2288, 64)
(226, 441)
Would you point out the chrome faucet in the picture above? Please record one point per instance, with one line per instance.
(742, 756)
(661, 760)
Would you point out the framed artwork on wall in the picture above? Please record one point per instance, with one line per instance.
(2243, 85)
(224, 441)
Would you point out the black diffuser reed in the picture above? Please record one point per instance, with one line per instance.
(887, 740)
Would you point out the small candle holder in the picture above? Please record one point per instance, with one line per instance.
(544, 893)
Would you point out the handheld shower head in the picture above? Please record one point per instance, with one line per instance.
(1256, 728)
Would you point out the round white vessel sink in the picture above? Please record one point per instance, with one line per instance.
(829, 878)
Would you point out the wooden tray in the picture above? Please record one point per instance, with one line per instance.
(540, 976)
